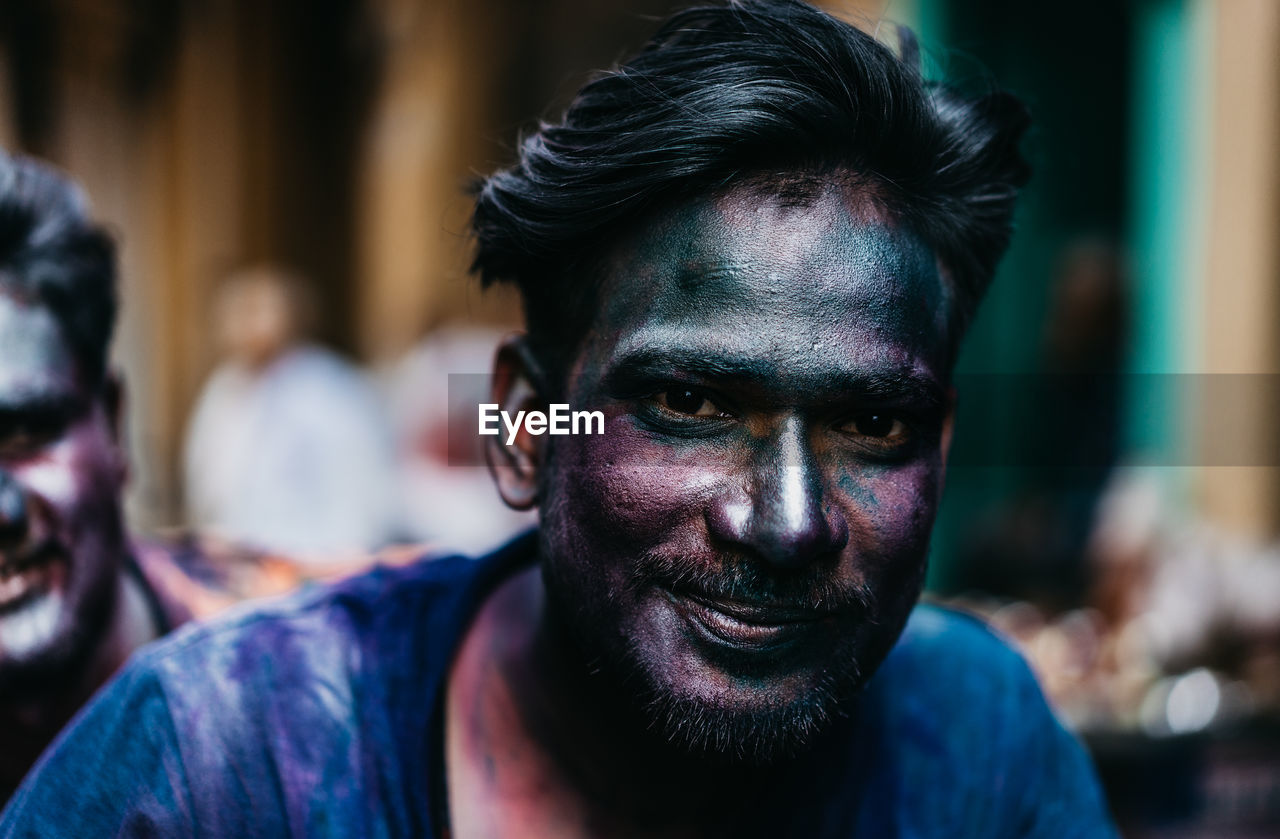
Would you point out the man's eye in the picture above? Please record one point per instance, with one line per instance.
(22, 435)
(688, 401)
(18, 441)
(880, 426)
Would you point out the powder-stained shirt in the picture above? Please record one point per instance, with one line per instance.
(321, 716)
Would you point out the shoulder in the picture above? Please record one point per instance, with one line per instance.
(236, 722)
(350, 627)
(72, 789)
(303, 680)
(390, 631)
(289, 716)
(390, 621)
(943, 651)
(952, 681)
(953, 688)
(962, 723)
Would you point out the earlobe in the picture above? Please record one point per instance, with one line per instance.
(514, 459)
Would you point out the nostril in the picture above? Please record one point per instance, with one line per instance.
(13, 512)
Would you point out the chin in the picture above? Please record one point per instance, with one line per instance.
(755, 726)
(37, 647)
(734, 703)
(752, 707)
(32, 628)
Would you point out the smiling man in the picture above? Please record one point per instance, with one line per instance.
(753, 249)
(74, 601)
(744, 542)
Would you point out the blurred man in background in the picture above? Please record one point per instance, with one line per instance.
(289, 450)
(75, 597)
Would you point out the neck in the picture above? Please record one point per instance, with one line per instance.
(584, 730)
(132, 625)
(34, 720)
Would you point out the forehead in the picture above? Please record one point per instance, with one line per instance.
(35, 360)
(832, 282)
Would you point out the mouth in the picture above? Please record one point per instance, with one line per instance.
(744, 625)
(25, 577)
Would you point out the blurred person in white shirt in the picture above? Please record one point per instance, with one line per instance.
(289, 449)
(448, 498)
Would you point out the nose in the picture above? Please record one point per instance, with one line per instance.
(13, 512)
(782, 517)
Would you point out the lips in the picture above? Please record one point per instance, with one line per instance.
(743, 624)
(24, 577)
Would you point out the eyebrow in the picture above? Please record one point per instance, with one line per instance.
(635, 369)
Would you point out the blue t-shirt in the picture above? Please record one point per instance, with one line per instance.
(321, 716)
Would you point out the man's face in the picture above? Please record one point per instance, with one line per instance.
(61, 472)
(746, 539)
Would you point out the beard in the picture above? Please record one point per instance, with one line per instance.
(783, 714)
(757, 736)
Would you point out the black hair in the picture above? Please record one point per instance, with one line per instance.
(54, 255)
(725, 92)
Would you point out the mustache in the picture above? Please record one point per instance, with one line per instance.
(747, 580)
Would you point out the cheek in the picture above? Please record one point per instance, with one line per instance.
(75, 473)
(51, 478)
(632, 487)
(892, 512)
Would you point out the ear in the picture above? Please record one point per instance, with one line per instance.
(113, 407)
(517, 386)
(113, 404)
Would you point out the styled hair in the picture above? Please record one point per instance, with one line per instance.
(53, 255)
(726, 92)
